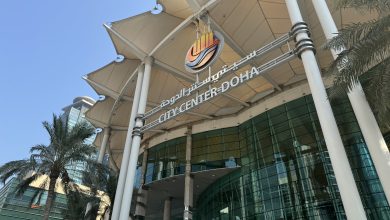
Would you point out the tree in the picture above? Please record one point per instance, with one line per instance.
(78, 206)
(367, 51)
(100, 178)
(66, 146)
(101, 182)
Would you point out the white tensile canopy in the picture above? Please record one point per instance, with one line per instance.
(245, 24)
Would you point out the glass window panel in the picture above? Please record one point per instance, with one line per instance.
(285, 150)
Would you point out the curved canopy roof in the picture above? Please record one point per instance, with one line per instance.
(245, 24)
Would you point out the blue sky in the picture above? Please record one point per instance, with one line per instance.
(46, 47)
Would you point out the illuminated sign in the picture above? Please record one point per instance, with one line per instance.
(203, 52)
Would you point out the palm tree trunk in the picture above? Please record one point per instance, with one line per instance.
(50, 198)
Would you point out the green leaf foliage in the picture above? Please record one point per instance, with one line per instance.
(50, 161)
(364, 50)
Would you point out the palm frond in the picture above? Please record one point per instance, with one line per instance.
(358, 32)
(43, 151)
(17, 167)
(92, 212)
(367, 48)
(80, 132)
(349, 35)
(66, 146)
(77, 203)
(24, 184)
(50, 130)
(382, 6)
(96, 176)
(378, 92)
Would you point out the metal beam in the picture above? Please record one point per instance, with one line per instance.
(98, 123)
(116, 96)
(154, 104)
(229, 40)
(174, 71)
(121, 93)
(125, 128)
(236, 99)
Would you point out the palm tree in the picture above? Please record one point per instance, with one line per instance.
(50, 161)
(81, 205)
(100, 178)
(367, 51)
(85, 204)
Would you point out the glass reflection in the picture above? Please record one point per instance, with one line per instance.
(285, 171)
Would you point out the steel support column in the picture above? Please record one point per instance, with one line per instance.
(372, 134)
(349, 194)
(104, 144)
(127, 147)
(136, 143)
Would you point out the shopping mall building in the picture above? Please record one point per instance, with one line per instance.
(217, 109)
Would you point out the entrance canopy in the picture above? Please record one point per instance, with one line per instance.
(246, 25)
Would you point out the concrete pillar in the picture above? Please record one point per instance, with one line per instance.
(167, 208)
(102, 151)
(141, 204)
(144, 164)
(188, 179)
(104, 144)
(126, 151)
(136, 143)
(349, 194)
(372, 134)
(142, 197)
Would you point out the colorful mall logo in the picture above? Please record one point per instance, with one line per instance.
(204, 52)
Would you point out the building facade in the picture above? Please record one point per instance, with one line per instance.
(73, 114)
(18, 207)
(219, 110)
(283, 167)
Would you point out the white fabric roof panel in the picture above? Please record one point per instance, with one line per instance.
(250, 24)
(174, 52)
(121, 47)
(180, 9)
(99, 114)
(113, 77)
(144, 31)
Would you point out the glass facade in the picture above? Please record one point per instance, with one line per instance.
(14, 207)
(74, 115)
(215, 149)
(166, 159)
(285, 168)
